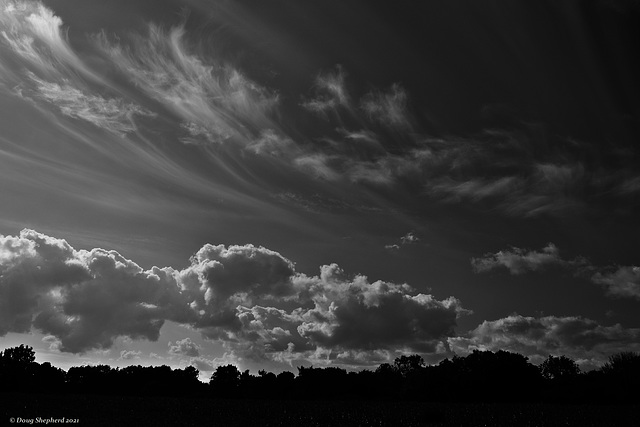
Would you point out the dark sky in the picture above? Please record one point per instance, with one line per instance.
(327, 183)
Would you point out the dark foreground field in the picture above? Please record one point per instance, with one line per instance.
(115, 411)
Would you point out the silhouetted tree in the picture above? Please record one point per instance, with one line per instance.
(625, 363)
(405, 365)
(18, 356)
(481, 376)
(560, 367)
(225, 380)
(18, 368)
(621, 376)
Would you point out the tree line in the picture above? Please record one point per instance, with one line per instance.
(482, 376)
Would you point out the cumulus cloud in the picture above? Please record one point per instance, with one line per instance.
(356, 314)
(577, 337)
(184, 347)
(84, 298)
(250, 298)
(219, 279)
(519, 261)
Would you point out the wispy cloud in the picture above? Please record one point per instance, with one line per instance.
(377, 140)
(35, 37)
(214, 99)
(331, 93)
(114, 115)
(519, 261)
(388, 108)
(619, 281)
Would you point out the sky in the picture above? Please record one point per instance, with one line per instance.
(290, 183)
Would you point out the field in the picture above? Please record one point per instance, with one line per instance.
(111, 411)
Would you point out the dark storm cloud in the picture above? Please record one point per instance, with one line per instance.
(249, 297)
(583, 339)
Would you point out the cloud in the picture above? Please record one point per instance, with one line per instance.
(220, 278)
(213, 99)
(630, 186)
(84, 298)
(356, 314)
(202, 364)
(619, 281)
(54, 343)
(409, 238)
(271, 143)
(476, 189)
(207, 101)
(250, 298)
(623, 281)
(129, 355)
(331, 93)
(114, 115)
(36, 40)
(574, 336)
(519, 261)
(318, 166)
(184, 347)
(388, 108)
